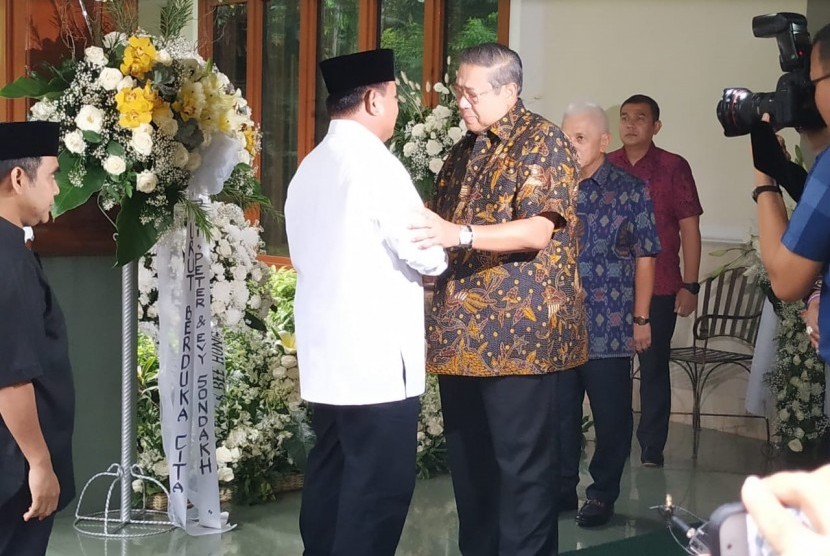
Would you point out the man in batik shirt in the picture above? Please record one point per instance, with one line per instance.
(508, 314)
(618, 243)
(669, 180)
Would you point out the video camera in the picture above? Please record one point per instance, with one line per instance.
(792, 103)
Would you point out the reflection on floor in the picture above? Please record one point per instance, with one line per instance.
(431, 527)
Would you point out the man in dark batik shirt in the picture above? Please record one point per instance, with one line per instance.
(618, 242)
(669, 180)
(508, 314)
(37, 398)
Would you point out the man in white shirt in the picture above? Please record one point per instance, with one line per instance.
(359, 314)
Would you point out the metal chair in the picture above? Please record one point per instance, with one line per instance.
(731, 308)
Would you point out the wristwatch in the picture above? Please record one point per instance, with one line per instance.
(642, 321)
(465, 236)
(693, 287)
(763, 189)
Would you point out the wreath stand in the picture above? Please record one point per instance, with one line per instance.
(124, 521)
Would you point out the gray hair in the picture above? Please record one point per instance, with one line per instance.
(505, 64)
(29, 165)
(587, 107)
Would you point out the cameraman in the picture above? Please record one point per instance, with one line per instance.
(795, 253)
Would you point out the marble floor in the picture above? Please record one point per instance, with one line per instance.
(431, 526)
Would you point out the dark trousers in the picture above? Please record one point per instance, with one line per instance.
(18, 537)
(655, 383)
(608, 385)
(502, 444)
(359, 478)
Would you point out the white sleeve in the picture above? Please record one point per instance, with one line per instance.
(396, 203)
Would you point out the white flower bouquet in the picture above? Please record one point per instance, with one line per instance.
(424, 135)
(239, 281)
(137, 113)
(798, 384)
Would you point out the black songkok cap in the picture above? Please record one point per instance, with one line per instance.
(28, 139)
(346, 73)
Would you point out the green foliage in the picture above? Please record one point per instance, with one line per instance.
(174, 16)
(475, 31)
(283, 286)
(124, 16)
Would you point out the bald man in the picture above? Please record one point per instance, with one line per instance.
(618, 244)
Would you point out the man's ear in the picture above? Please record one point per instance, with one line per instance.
(16, 179)
(373, 102)
(604, 141)
(657, 126)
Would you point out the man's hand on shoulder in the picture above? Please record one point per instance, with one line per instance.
(429, 229)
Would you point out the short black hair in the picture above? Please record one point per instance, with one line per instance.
(644, 99)
(342, 104)
(821, 40)
(29, 166)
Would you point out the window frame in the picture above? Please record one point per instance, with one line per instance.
(368, 38)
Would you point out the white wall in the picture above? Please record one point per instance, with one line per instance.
(682, 53)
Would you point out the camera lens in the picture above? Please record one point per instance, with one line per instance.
(740, 108)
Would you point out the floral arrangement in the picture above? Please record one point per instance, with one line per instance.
(423, 135)
(797, 381)
(239, 281)
(138, 113)
(431, 456)
(262, 429)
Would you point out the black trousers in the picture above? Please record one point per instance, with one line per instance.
(608, 385)
(655, 382)
(502, 444)
(359, 478)
(18, 537)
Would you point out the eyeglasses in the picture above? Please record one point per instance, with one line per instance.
(820, 79)
(472, 96)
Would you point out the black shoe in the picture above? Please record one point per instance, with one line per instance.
(594, 513)
(651, 459)
(567, 503)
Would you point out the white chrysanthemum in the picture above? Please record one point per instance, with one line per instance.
(126, 82)
(43, 110)
(225, 475)
(110, 78)
(169, 127)
(138, 485)
(409, 149)
(233, 316)
(95, 55)
(433, 147)
(142, 143)
(288, 361)
(440, 88)
(160, 468)
(442, 112)
(221, 292)
(435, 165)
(418, 130)
(163, 57)
(224, 455)
(90, 118)
(114, 165)
(74, 142)
(146, 181)
(455, 134)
